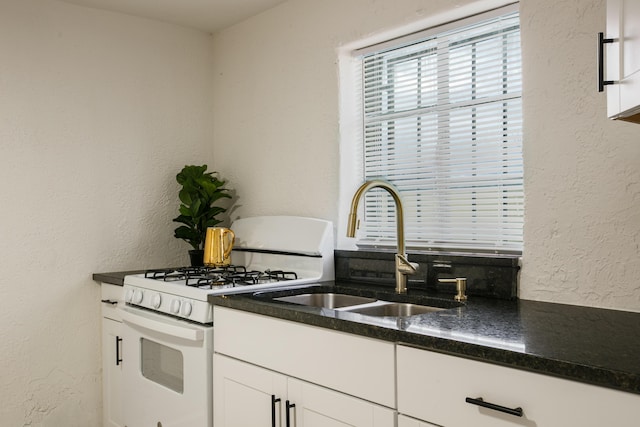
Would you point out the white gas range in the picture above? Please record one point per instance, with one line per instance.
(167, 343)
(270, 252)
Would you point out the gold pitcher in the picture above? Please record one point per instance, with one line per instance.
(217, 246)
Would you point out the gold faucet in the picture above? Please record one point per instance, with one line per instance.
(403, 266)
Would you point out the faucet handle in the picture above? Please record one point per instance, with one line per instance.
(404, 266)
(461, 287)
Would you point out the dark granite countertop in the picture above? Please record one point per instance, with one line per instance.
(114, 278)
(590, 345)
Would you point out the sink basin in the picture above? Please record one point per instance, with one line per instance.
(395, 309)
(367, 306)
(326, 300)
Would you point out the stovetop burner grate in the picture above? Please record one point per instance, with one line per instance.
(214, 277)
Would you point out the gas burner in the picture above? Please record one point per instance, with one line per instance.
(278, 275)
(186, 273)
(215, 277)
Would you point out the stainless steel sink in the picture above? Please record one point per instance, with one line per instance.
(394, 309)
(326, 300)
(361, 305)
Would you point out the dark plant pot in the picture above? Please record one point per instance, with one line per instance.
(197, 257)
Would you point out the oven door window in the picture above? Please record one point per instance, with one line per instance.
(162, 365)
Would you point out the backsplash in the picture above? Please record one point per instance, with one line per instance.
(487, 276)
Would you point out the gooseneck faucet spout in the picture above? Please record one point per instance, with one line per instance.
(403, 266)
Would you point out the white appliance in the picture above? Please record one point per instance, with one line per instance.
(167, 343)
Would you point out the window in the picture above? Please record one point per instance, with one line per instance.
(442, 121)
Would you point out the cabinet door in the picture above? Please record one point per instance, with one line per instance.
(623, 59)
(630, 55)
(404, 421)
(111, 373)
(435, 387)
(336, 360)
(317, 406)
(246, 395)
(612, 57)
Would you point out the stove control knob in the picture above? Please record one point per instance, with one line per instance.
(129, 295)
(186, 309)
(175, 306)
(137, 297)
(156, 301)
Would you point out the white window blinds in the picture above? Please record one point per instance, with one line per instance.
(442, 121)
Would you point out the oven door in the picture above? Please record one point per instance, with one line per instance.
(167, 371)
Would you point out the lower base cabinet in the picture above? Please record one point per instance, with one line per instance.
(452, 391)
(245, 395)
(404, 421)
(111, 373)
(249, 395)
(112, 295)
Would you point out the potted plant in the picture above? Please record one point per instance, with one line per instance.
(200, 191)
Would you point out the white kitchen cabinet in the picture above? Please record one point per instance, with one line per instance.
(623, 59)
(249, 395)
(111, 373)
(404, 421)
(320, 407)
(356, 365)
(332, 378)
(245, 394)
(434, 387)
(112, 296)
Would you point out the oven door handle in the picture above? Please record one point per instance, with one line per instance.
(159, 325)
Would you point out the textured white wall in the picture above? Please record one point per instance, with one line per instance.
(277, 111)
(582, 182)
(276, 105)
(98, 112)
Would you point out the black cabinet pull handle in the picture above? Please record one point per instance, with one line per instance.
(274, 400)
(601, 81)
(288, 413)
(118, 358)
(109, 301)
(480, 402)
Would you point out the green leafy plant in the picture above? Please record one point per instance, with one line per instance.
(200, 190)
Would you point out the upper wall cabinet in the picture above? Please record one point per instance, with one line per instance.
(619, 60)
